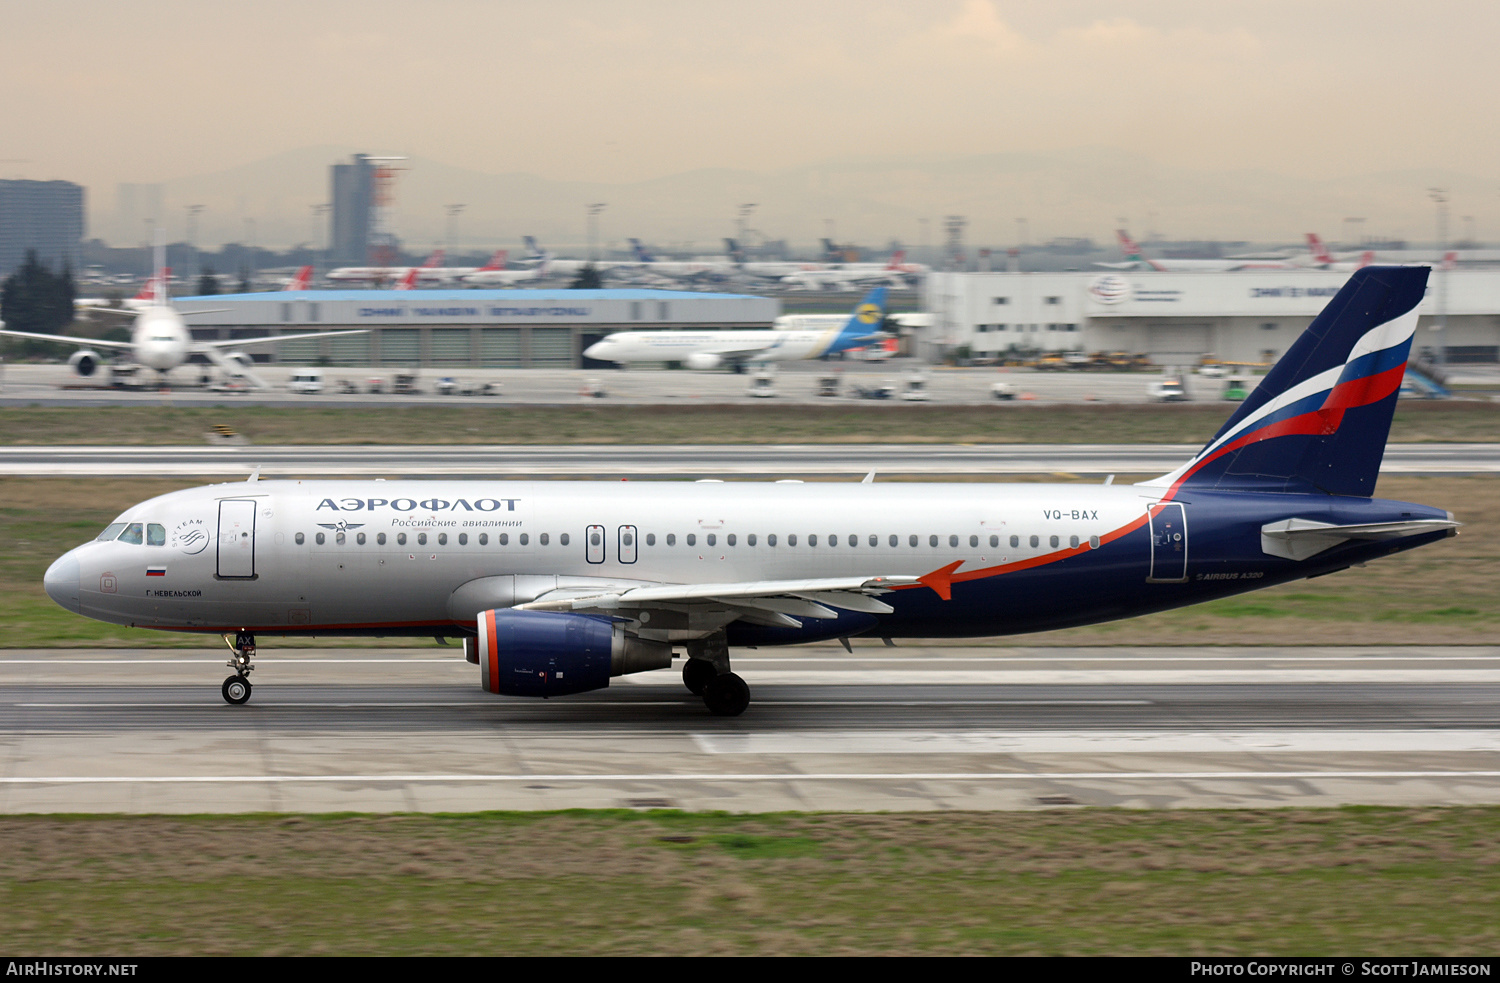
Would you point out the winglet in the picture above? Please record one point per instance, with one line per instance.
(941, 580)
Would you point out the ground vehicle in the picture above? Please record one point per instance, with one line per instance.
(308, 382)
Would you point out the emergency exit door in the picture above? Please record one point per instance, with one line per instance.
(236, 542)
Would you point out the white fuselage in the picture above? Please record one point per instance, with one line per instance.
(361, 555)
(755, 345)
(159, 339)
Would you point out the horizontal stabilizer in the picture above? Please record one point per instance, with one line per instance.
(1298, 539)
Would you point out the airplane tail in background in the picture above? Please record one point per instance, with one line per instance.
(733, 251)
(1318, 249)
(497, 261)
(1319, 419)
(863, 324)
(897, 258)
(408, 282)
(152, 291)
(533, 251)
(302, 280)
(641, 253)
(436, 259)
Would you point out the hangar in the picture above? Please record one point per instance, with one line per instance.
(1178, 317)
(462, 328)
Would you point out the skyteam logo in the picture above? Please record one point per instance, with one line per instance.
(1111, 288)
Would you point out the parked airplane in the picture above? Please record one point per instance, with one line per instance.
(1324, 260)
(381, 274)
(734, 349)
(301, 280)
(555, 587)
(160, 340)
(496, 275)
(896, 273)
(1135, 259)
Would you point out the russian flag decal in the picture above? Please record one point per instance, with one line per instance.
(156, 571)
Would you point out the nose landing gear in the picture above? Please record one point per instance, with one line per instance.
(236, 688)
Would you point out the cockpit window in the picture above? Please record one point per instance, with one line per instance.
(132, 534)
(156, 534)
(110, 532)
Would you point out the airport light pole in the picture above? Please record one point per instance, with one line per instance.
(593, 217)
(450, 232)
(192, 237)
(318, 211)
(1439, 197)
(1349, 239)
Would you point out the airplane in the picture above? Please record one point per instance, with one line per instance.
(714, 349)
(496, 275)
(1323, 259)
(381, 274)
(160, 340)
(896, 273)
(556, 587)
(1134, 259)
(301, 280)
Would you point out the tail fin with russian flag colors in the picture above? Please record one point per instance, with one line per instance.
(301, 280)
(1319, 419)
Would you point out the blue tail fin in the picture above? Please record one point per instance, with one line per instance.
(863, 324)
(1320, 418)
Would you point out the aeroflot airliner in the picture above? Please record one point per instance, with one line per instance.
(555, 587)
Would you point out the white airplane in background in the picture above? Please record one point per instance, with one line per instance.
(1135, 259)
(380, 274)
(1323, 259)
(556, 587)
(501, 277)
(705, 350)
(897, 273)
(160, 340)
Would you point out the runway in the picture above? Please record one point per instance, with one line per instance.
(613, 460)
(920, 728)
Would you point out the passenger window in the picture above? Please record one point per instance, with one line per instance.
(360, 539)
(729, 539)
(525, 538)
(544, 539)
(484, 539)
(111, 532)
(339, 538)
(874, 539)
(595, 539)
(1015, 541)
(1093, 542)
(132, 534)
(912, 539)
(650, 539)
(791, 540)
(504, 539)
(894, 540)
(1073, 542)
(713, 540)
(562, 539)
(833, 540)
(952, 540)
(301, 539)
(380, 539)
(321, 540)
(812, 540)
(442, 539)
(400, 539)
(627, 539)
(421, 539)
(749, 540)
(1053, 541)
(156, 535)
(931, 540)
(692, 539)
(1035, 541)
(771, 539)
(973, 540)
(463, 539)
(671, 539)
(994, 540)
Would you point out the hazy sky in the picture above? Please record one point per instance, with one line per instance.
(102, 92)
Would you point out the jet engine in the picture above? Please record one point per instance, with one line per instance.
(542, 653)
(84, 362)
(703, 361)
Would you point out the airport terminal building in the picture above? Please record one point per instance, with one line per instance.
(1178, 317)
(460, 328)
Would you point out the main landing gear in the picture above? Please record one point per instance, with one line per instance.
(236, 688)
(706, 674)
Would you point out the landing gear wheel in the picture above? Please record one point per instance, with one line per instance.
(696, 674)
(726, 695)
(236, 690)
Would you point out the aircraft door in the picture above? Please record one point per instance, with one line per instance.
(626, 549)
(236, 542)
(1169, 544)
(594, 544)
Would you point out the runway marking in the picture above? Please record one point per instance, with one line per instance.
(754, 777)
(1279, 741)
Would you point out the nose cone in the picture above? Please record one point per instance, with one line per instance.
(599, 350)
(61, 581)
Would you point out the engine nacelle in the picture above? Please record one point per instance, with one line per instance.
(542, 653)
(703, 361)
(84, 362)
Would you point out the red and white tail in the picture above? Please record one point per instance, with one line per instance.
(1450, 260)
(1366, 258)
(497, 261)
(408, 282)
(436, 259)
(897, 258)
(151, 293)
(302, 280)
(1127, 244)
(1318, 250)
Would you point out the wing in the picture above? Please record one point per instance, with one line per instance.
(203, 346)
(72, 340)
(778, 603)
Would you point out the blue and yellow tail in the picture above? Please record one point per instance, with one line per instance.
(863, 325)
(1319, 419)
